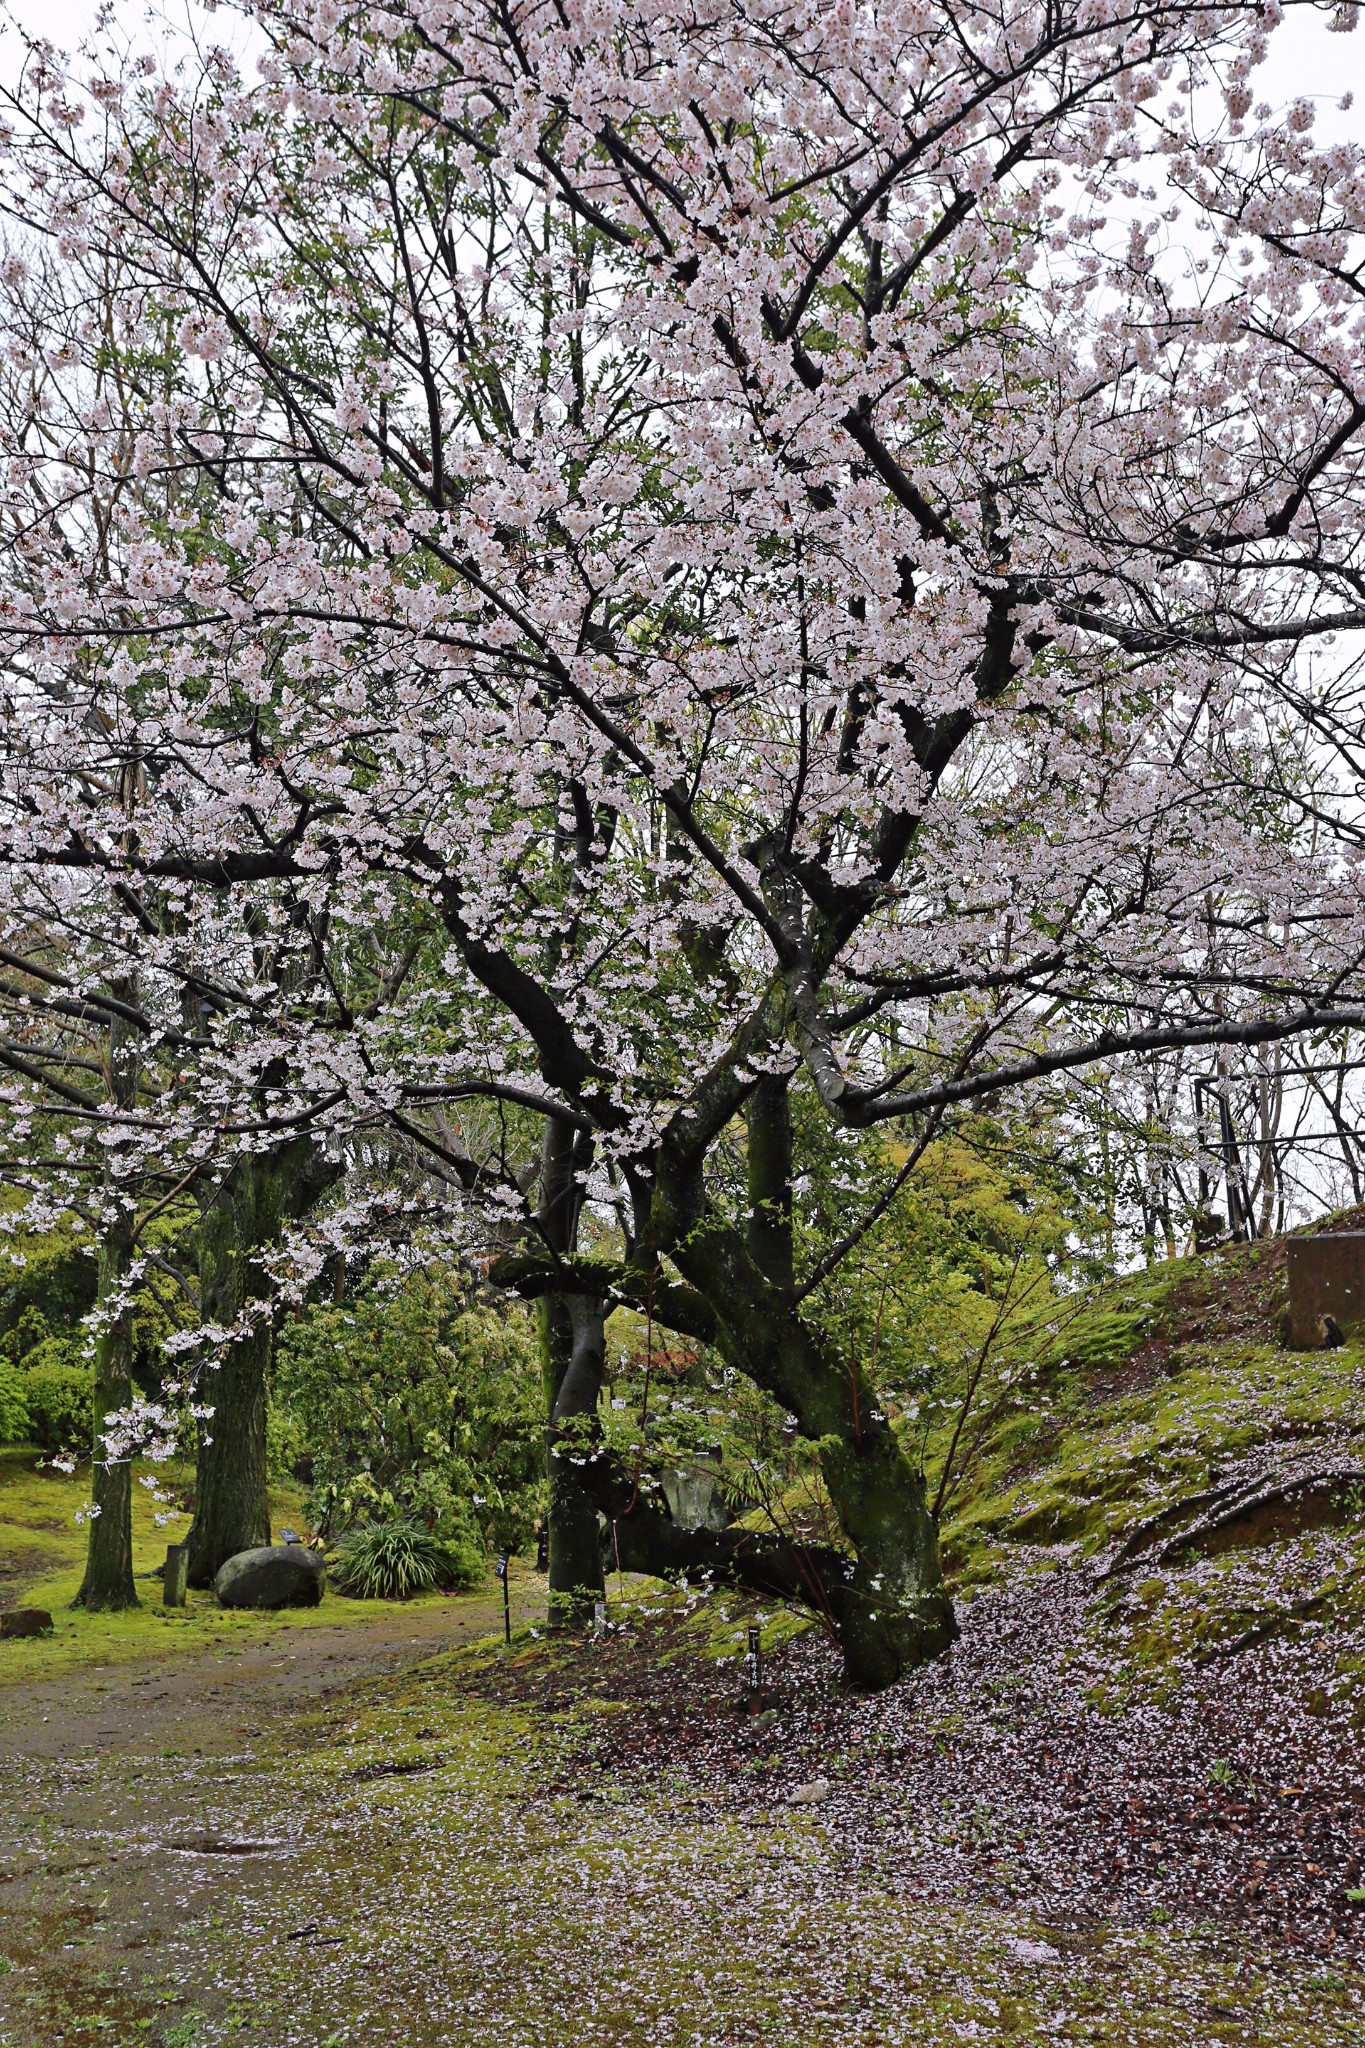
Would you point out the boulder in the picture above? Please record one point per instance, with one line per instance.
(25, 1621)
(276, 1575)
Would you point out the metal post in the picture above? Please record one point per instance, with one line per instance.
(506, 1598)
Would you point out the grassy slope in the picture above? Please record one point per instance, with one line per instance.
(1154, 1389)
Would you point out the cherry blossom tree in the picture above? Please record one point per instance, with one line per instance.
(778, 546)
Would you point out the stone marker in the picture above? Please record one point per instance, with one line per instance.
(277, 1575)
(1326, 1278)
(176, 1574)
(25, 1621)
(695, 1500)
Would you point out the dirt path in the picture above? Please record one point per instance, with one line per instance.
(130, 1814)
(205, 1701)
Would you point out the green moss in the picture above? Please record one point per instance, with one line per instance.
(44, 1549)
(720, 1932)
(1108, 1465)
(1146, 1393)
(468, 1886)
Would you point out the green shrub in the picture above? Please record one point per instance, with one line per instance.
(15, 1422)
(417, 1402)
(393, 1560)
(286, 1442)
(59, 1393)
(48, 1274)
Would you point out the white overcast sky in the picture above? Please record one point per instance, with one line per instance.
(1305, 57)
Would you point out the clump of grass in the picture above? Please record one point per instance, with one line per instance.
(392, 1561)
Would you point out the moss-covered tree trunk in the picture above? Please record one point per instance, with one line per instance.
(572, 1358)
(241, 1219)
(894, 1612)
(572, 1348)
(108, 1580)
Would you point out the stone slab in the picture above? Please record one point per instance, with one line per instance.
(1326, 1278)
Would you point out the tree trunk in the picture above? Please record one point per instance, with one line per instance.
(573, 1345)
(243, 1217)
(108, 1581)
(895, 1613)
(572, 1355)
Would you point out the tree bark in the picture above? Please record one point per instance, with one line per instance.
(642, 1536)
(108, 1581)
(242, 1218)
(895, 1612)
(572, 1340)
(768, 1117)
(572, 1334)
(887, 1602)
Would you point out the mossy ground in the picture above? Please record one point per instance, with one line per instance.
(1145, 1393)
(426, 1859)
(42, 1556)
(413, 1870)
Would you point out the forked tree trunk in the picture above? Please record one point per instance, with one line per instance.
(887, 1601)
(242, 1218)
(108, 1580)
(895, 1612)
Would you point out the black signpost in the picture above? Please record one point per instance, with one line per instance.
(506, 1597)
(755, 1661)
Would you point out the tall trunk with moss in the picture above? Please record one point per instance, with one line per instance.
(108, 1580)
(572, 1357)
(884, 1595)
(241, 1220)
(891, 1610)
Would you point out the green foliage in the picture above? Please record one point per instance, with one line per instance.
(985, 1237)
(975, 1228)
(49, 1274)
(286, 1443)
(393, 1560)
(47, 1288)
(59, 1393)
(415, 1401)
(15, 1421)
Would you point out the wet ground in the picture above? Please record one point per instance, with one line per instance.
(377, 1836)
